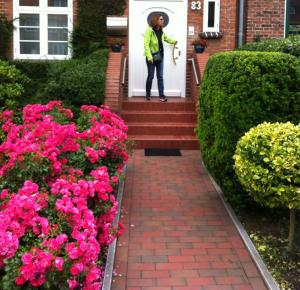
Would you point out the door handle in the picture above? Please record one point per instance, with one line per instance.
(175, 55)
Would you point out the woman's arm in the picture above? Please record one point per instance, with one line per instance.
(168, 39)
(147, 38)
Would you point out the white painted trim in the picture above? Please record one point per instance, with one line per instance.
(130, 52)
(43, 10)
(116, 21)
(216, 28)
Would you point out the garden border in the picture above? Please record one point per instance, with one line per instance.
(112, 247)
(266, 275)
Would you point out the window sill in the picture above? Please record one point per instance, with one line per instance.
(211, 35)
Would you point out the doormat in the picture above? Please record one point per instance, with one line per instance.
(162, 152)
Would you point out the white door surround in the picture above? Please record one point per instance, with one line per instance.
(174, 74)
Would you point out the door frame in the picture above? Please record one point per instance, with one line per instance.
(131, 53)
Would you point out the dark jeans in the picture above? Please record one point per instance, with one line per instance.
(159, 73)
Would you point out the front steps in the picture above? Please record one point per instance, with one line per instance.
(153, 124)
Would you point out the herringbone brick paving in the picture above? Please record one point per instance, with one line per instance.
(178, 235)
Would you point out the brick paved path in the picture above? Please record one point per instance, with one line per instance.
(178, 235)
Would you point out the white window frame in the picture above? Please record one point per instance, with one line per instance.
(43, 10)
(216, 27)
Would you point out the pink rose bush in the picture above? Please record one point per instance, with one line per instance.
(57, 202)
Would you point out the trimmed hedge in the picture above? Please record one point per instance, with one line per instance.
(289, 45)
(38, 73)
(75, 82)
(240, 90)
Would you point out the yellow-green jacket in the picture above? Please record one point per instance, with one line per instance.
(151, 42)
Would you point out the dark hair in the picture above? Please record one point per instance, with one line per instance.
(154, 20)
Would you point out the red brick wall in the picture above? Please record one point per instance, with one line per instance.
(6, 7)
(113, 81)
(74, 11)
(228, 25)
(265, 19)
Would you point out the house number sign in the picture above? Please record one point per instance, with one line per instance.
(196, 5)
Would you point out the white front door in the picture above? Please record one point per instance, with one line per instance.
(175, 14)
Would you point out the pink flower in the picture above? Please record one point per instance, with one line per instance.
(58, 262)
(72, 251)
(9, 244)
(76, 269)
(20, 280)
(4, 193)
(27, 258)
(7, 114)
(93, 274)
(72, 283)
(74, 195)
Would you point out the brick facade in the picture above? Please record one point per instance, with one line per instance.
(6, 8)
(265, 19)
(113, 92)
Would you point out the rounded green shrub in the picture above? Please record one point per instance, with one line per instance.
(11, 85)
(289, 45)
(78, 81)
(38, 73)
(241, 90)
(267, 163)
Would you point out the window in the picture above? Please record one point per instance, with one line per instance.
(58, 3)
(29, 33)
(57, 34)
(42, 29)
(211, 16)
(294, 17)
(29, 3)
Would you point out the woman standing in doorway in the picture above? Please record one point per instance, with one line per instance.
(154, 52)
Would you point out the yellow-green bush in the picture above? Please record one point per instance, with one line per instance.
(11, 85)
(267, 163)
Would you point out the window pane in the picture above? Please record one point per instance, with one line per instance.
(29, 47)
(58, 3)
(58, 34)
(57, 20)
(294, 27)
(57, 48)
(29, 33)
(29, 20)
(211, 14)
(29, 3)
